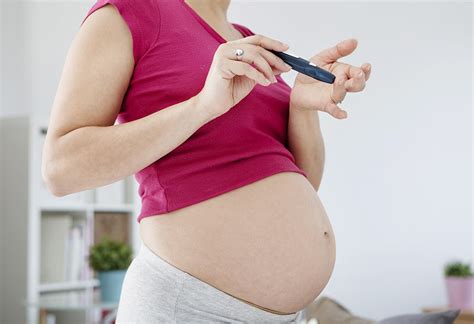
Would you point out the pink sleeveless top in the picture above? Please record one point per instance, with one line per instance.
(173, 49)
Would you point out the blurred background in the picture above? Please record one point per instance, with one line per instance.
(398, 177)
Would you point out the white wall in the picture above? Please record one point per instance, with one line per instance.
(16, 60)
(35, 51)
(1, 163)
(397, 184)
(1, 55)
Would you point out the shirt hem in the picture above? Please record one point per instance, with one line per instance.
(170, 206)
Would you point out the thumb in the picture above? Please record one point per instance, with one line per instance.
(342, 49)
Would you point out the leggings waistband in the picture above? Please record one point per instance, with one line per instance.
(180, 275)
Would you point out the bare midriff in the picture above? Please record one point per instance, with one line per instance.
(268, 243)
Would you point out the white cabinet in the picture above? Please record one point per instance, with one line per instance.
(28, 209)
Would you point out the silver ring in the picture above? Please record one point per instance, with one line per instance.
(239, 53)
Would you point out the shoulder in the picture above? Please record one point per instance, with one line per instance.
(130, 9)
(142, 17)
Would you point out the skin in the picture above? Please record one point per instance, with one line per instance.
(272, 245)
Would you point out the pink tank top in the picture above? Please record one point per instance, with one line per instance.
(173, 49)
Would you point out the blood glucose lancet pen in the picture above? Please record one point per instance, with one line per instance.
(306, 67)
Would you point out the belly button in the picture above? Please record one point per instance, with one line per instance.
(326, 233)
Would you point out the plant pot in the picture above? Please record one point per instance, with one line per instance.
(460, 292)
(111, 285)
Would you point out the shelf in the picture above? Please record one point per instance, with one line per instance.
(73, 306)
(65, 207)
(126, 208)
(64, 286)
(87, 210)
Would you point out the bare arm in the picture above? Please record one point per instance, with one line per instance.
(306, 143)
(83, 148)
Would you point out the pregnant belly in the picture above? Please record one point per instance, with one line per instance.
(269, 242)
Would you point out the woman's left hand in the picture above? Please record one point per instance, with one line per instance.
(311, 94)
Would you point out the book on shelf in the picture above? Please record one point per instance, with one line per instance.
(75, 252)
(114, 226)
(47, 318)
(63, 248)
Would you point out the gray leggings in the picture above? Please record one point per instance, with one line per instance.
(155, 291)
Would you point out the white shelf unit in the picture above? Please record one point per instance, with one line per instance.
(24, 203)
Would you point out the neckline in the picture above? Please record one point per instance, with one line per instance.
(208, 27)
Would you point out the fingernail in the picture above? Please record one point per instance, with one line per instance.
(288, 66)
(267, 81)
(361, 74)
(285, 44)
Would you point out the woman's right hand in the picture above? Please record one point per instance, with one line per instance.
(230, 79)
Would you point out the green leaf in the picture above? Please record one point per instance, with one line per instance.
(457, 269)
(110, 255)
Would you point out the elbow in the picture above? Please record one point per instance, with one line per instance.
(52, 178)
(51, 171)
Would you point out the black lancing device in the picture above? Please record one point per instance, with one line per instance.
(306, 67)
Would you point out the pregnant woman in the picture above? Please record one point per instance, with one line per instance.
(228, 157)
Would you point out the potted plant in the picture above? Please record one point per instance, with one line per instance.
(110, 259)
(460, 285)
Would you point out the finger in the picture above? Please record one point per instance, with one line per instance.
(355, 84)
(356, 72)
(276, 71)
(262, 65)
(252, 56)
(367, 68)
(274, 60)
(234, 68)
(338, 89)
(342, 49)
(335, 111)
(263, 41)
